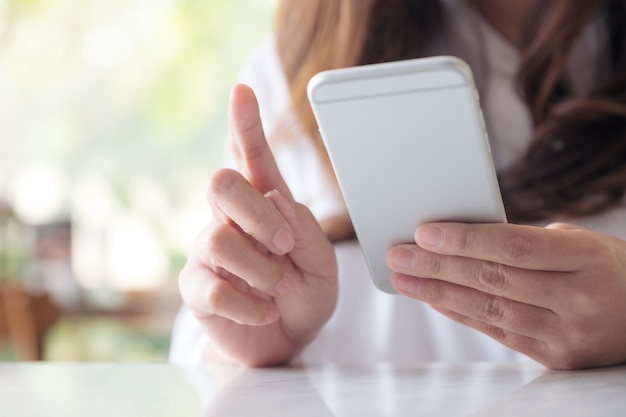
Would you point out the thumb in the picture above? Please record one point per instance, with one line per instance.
(248, 144)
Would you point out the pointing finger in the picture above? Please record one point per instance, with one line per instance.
(249, 145)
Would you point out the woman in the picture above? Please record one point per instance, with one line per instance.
(261, 286)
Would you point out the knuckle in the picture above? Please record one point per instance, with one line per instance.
(304, 213)
(216, 295)
(184, 275)
(217, 239)
(433, 292)
(517, 246)
(254, 151)
(222, 301)
(500, 335)
(573, 345)
(265, 216)
(462, 241)
(225, 184)
(581, 331)
(565, 359)
(435, 265)
(601, 252)
(184, 280)
(492, 277)
(221, 183)
(585, 303)
(436, 292)
(492, 310)
(266, 277)
(577, 339)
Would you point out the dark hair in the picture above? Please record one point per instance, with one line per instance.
(576, 162)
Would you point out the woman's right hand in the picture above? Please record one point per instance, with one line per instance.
(262, 276)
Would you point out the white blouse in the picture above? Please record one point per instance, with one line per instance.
(369, 325)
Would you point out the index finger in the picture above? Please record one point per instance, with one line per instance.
(247, 141)
(528, 247)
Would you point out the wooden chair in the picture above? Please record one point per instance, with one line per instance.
(25, 319)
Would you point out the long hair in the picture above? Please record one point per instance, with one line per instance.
(576, 162)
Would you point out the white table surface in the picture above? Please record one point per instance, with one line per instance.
(90, 390)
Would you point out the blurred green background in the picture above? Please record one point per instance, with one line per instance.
(112, 116)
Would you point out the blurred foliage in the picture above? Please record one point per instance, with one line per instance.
(100, 339)
(126, 85)
(13, 252)
(130, 91)
(123, 103)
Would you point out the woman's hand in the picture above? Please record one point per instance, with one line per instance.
(262, 277)
(556, 294)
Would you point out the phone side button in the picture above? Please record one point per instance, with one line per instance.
(485, 133)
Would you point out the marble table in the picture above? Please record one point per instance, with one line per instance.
(476, 389)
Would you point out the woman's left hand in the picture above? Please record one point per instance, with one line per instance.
(556, 294)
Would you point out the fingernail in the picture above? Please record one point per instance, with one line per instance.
(283, 241)
(271, 314)
(429, 236)
(401, 258)
(281, 203)
(282, 288)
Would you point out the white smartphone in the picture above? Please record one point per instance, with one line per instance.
(408, 145)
